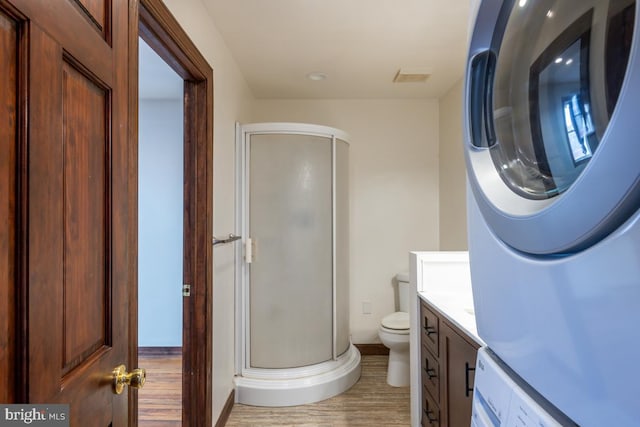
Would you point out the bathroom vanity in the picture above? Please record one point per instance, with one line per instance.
(444, 339)
(448, 358)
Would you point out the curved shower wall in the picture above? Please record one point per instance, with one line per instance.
(293, 296)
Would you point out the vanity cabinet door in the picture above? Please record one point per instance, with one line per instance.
(460, 355)
(430, 373)
(430, 411)
(430, 329)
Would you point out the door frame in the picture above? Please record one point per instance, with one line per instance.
(152, 20)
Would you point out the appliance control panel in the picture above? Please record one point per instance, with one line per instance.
(499, 399)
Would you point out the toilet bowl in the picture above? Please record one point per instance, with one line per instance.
(394, 334)
(397, 340)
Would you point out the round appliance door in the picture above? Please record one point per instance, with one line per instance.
(553, 122)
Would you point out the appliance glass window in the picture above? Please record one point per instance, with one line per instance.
(559, 69)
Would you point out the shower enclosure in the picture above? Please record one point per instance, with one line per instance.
(292, 271)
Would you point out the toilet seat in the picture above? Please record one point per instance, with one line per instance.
(396, 323)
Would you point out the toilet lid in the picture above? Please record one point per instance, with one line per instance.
(398, 320)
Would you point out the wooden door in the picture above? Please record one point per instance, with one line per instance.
(8, 132)
(72, 244)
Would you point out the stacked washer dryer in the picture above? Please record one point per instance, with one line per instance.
(553, 161)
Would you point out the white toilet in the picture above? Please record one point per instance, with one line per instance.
(394, 334)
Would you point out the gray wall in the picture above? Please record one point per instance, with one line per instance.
(160, 223)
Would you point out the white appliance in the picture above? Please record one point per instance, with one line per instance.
(501, 399)
(552, 151)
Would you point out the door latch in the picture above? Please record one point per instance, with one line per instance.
(249, 250)
(186, 290)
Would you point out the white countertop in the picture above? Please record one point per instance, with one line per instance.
(457, 307)
(444, 280)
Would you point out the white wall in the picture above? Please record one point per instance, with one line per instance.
(452, 191)
(160, 202)
(393, 189)
(232, 100)
(453, 207)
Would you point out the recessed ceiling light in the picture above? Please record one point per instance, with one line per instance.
(522, 3)
(558, 60)
(316, 76)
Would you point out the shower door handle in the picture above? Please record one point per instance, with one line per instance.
(249, 250)
(232, 238)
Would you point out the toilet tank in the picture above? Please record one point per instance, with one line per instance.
(403, 291)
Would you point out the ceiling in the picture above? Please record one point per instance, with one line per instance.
(359, 44)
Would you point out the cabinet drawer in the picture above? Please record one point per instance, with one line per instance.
(430, 327)
(431, 373)
(430, 410)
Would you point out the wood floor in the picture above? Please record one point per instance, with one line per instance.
(160, 400)
(371, 402)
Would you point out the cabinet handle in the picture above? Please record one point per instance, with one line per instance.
(431, 373)
(430, 416)
(428, 329)
(468, 390)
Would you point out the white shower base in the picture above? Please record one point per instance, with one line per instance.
(298, 386)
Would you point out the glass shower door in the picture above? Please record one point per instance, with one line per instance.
(290, 224)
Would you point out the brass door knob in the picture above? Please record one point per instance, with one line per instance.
(135, 378)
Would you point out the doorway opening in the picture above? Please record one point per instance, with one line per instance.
(160, 237)
(175, 165)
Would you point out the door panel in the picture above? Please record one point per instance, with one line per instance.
(8, 100)
(97, 12)
(77, 264)
(290, 221)
(460, 366)
(86, 283)
(77, 34)
(70, 355)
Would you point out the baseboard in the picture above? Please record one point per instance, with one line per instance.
(372, 349)
(159, 351)
(226, 411)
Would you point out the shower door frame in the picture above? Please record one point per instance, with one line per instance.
(242, 270)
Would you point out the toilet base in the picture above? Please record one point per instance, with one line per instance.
(398, 369)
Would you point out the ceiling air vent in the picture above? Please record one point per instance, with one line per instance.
(411, 75)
